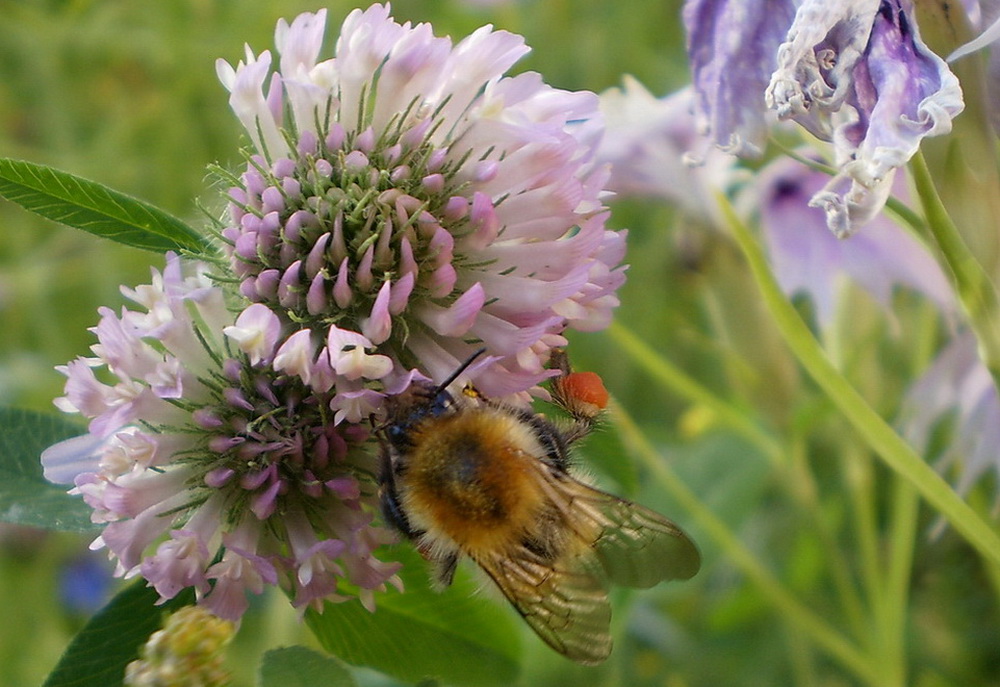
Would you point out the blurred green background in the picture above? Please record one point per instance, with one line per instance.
(125, 93)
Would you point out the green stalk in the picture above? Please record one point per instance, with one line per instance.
(893, 451)
(838, 566)
(802, 658)
(975, 289)
(859, 477)
(993, 575)
(683, 385)
(895, 610)
(792, 611)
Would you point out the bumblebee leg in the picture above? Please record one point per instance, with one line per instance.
(394, 516)
(392, 511)
(444, 569)
(581, 394)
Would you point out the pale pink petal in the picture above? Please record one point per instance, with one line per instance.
(296, 355)
(456, 319)
(378, 325)
(255, 332)
(63, 462)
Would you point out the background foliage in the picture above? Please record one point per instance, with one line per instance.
(802, 526)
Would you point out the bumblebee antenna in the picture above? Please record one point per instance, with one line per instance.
(461, 368)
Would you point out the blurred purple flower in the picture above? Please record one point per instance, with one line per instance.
(647, 143)
(732, 50)
(84, 584)
(854, 72)
(957, 384)
(407, 191)
(808, 259)
(985, 19)
(211, 469)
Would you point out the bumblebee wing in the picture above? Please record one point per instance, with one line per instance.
(640, 548)
(565, 601)
(637, 547)
(559, 584)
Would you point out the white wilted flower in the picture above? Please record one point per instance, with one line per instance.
(855, 73)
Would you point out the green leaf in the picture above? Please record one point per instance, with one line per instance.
(455, 635)
(98, 655)
(27, 498)
(297, 666)
(90, 206)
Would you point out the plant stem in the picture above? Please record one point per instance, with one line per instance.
(839, 568)
(794, 612)
(893, 451)
(859, 476)
(895, 610)
(685, 386)
(975, 289)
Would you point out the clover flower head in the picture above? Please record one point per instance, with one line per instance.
(210, 464)
(187, 652)
(407, 191)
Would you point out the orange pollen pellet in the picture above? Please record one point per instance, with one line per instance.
(586, 387)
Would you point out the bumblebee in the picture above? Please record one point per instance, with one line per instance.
(464, 475)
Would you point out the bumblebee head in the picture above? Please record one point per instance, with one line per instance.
(422, 401)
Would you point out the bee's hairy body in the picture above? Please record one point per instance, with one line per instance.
(469, 476)
(473, 480)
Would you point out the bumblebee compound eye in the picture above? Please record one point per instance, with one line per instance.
(440, 404)
(396, 433)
